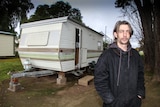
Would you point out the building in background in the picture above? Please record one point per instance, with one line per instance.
(7, 44)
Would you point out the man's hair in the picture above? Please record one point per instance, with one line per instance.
(117, 25)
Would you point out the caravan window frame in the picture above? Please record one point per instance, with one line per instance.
(38, 39)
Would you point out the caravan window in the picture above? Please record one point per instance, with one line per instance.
(99, 45)
(38, 39)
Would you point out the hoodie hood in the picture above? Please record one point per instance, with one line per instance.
(119, 52)
(114, 45)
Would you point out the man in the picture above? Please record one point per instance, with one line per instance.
(119, 76)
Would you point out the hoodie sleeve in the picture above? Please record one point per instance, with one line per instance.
(141, 87)
(101, 80)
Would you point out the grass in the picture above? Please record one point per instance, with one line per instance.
(9, 65)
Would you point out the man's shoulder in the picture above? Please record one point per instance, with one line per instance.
(134, 51)
(108, 50)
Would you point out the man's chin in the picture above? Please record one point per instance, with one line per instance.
(124, 43)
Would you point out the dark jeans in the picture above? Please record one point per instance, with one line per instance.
(134, 102)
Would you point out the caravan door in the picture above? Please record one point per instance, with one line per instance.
(80, 53)
(77, 48)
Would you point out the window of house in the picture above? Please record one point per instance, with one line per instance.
(99, 45)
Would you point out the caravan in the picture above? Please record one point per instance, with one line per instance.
(57, 45)
(60, 44)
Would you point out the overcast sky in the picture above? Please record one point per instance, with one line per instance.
(100, 15)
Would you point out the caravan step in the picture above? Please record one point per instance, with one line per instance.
(85, 80)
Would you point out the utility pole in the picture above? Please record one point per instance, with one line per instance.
(105, 33)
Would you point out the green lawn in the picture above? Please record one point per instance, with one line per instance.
(9, 65)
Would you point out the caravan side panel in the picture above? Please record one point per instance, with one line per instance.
(67, 47)
(40, 44)
(92, 46)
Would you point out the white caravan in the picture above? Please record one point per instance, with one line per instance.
(60, 44)
(57, 45)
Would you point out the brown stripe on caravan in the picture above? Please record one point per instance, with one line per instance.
(45, 50)
(52, 50)
(38, 49)
(93, 53)
(94, 50)
(66, 50)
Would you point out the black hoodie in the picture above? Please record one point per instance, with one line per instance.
(119, 74)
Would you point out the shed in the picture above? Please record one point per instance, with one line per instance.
(7, 44)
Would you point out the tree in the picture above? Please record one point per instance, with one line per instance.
(13, 11)
(59, 9)
(75, 14)
(149, 14)
(156, 26)
(133, 16)
(40, 13)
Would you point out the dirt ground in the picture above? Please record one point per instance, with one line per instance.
(44, 92)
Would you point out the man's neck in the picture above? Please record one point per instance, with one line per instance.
(122, 46)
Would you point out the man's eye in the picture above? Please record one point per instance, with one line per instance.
(121, 31)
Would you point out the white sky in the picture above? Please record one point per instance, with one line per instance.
(100, 15)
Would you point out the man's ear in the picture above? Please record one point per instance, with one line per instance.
(115, 34)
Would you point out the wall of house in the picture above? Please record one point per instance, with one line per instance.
(7, 45)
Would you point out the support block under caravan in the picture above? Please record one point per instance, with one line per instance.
(14, 84)
(85, 80)
(14, 87)
(61, 78)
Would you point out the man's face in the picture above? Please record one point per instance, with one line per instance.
(123, 34)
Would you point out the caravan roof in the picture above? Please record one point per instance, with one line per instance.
(56, 20)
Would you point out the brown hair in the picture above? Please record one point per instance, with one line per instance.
(117, 25)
